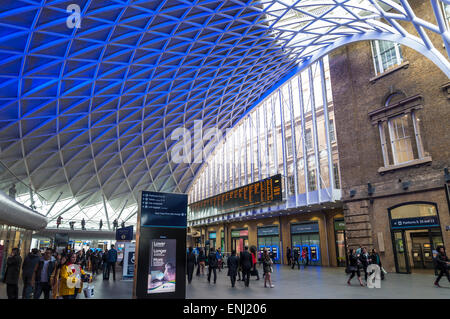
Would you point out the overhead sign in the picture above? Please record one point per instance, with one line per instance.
(163, 210)
(239, 233)
(305, 228)
(268, 231)
(263, 192)
(125, 233)
(427, 221)
(339, 225)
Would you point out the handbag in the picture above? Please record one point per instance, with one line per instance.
(254, 272)
(88, 291)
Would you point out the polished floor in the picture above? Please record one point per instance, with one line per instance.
(310, 282)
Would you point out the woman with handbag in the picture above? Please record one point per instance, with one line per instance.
(353, 267)
(267, 266)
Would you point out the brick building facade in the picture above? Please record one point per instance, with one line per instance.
(373, 180)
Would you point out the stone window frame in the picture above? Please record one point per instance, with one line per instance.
(378, 61)
(409, 105)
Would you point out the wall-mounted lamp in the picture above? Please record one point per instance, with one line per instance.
(406, 185)
(352, 193)
(370, 189)
(446, 175)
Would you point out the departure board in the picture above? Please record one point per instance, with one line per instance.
(259, 193)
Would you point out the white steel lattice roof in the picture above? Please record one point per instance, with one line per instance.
(89, 111)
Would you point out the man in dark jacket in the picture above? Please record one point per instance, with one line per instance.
(233, 264)
(112, 259)
(191, 262)
(246, 264)
(43, 276)
(365, 260)
(442, 264)
(212, 263)
(295, 260)
(11, 277)
(29, 266)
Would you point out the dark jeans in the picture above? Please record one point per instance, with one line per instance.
(295, 261)
(190, 273)
(42, 287)
(233, 280)
(289, 260)
(105, 270)
(27, 288)
(246, 276)
(257, 273)
(442, 273)
(69, 297)
(113, 265)
(12, 291)
(357, 272)
(209, 273)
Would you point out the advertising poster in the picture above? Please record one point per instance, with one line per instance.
(162, 266)
(128, 260)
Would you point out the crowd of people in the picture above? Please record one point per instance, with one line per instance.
(57, 275)
(242, 267)
(360, 259)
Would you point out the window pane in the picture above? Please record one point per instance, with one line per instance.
(386, 54)
(399, 131)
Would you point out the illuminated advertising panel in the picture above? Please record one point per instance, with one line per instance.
(162, 266)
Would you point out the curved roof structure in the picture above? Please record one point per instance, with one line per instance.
(90, 90)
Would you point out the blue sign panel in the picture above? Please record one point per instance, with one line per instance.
(212, 235)
(163, 210)
(125, 233)
(427, 221)
(268, 231)
(305, 228)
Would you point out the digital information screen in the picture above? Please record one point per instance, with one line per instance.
(162, 266)
(265, 191)
(163, 210)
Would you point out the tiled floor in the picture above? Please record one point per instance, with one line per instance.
(312, 282)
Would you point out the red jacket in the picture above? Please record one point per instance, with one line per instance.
(253, 259)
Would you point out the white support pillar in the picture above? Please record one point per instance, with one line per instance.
(294, 143)
(305, 151)
(283, 146)
(315, 135)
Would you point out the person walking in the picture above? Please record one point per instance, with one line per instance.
(11, 277)
(212, 265)
(112, 259)
(56, 281)
(29, 266)
(201, 262)
(375, 259)
(365, 260)
(70, 278)
(254, 271)
(295, 259)
(44, 275)
(58, 221)
(100, 224)
(246, 264)
(305, 256)
(442, 264)
(83, 224)
(191, 262)
(219, 259)
(105, 265)
(12, 191)
(288, 255)
(233, 265)
(353, 267)
(267, 267)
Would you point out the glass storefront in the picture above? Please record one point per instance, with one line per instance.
(268, 238)
(305, 237)
(212, 240)
(239, 240)
(12, 237)
(416, 233)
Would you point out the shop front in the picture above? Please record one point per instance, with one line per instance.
(416, 233)
(269, 239)
(305, 237)
(212, 240)
(239, 240)
(13, 237)
(341, 242)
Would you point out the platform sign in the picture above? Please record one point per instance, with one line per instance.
(160, 246)
(414, 222)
